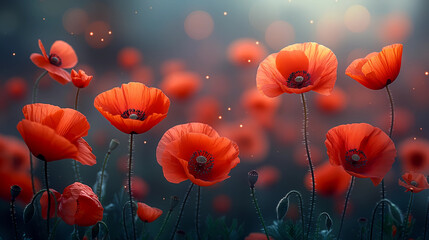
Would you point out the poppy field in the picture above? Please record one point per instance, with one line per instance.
(193, 119)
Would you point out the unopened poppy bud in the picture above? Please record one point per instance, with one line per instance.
(114, 143)
(15, 190)
(253, 178)
(80, 79)
(174, 200)
(28, 213)
(328, 223)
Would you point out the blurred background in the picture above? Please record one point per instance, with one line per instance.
(204, 55)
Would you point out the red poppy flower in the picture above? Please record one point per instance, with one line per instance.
(9, 178)
(260, 107)
(222, 203)
(80, 79)
(414, 182)
(331, 180)
(245, 52)
(79, 205)
(60, 56)
(414, 155)
(298, 68)
(14, 154)
(268, 176)
(16, 88)
(52, 133)
(333, 103)
(377, 70)
(362, 150)
(195, 151)
(257, 236)
(146, 213)
(44, 203)
(133, 108)
(181, 85)
(139, 187)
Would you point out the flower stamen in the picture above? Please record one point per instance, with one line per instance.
(298, 79)
(356, 158)
(54, 59)
(134, 114)
(201, 164)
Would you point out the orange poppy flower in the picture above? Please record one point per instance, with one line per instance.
(333, 103)
(195, 151)
(60, 56)
(205, 110)
(80, 79)
(362, 150)
(181, 85)
(331, 180)
(52, 133)
(133, 108)
(79, 205)
(298, 68)
(260, 107)
(146, 213)
(414, 155)
(377, 70)
(245, 52)
(129, 57)
(44, 203)
(414, 182)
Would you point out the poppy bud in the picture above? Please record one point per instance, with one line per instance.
(28, 213)
(80, 79)
(114, 143)
(174, 200)
(328, 223)
(253, 178)
(282, 208)
(15, 190)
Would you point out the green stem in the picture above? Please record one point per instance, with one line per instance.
(48, 215)
(310, 164)
(182, 207)
(124, 218)
(197, 214)
(345, 207)
(36, 86)
(54, 229)
(298, 194)
(13, 215)
(318, 220)
(32, 174)
(382, 201)
(410, 203)
(100, 184)
(129, 184)
(258, 210)
(76, 101)
(164, 224)
(75, 164)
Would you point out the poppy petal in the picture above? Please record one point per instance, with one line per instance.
(38, 111)
(65, 52)
(44, 142)
(61, 76)
(268, 78)
(70, 124)
(288, 62)
(42, 48)
(88, 211)
(39, 60)
(85, 155)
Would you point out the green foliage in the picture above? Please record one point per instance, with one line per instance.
(285, 230)
(219, 229)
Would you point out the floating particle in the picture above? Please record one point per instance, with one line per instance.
(249, 60)
(415, 138)
(257, 42)
(421, 129)
(229, 109)
(144, 142)
(225, 13)
(91, 34)
(102, 39)
(110, 32)
(426, 73)
(207, 76)
(13, 54)
(220, 117)
(241, 125)
(44, 19)
(311, 21)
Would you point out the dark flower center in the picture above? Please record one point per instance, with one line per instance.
(54, 59)
(414, 183)
(134, 114)
(356, 158)
(417, 160)
(298, 79)
(201, 164)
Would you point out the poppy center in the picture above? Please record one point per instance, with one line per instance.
(54, 59)
(414, 183)
(356, 158)
(298, 79)
(134, 114)
(201, 164)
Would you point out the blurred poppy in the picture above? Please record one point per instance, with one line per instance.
(79, 205)
(414, 155)
(195, 151)
(172, 65)
(146, 213)
(331, 181)
(260, 107)
(245, 52)
(333, 103)
(268, 176)
(143, 74)
(414, 182)
(60, 56)
(9, 178)
(362, 150)
(404, 120)
(16, 88)
(257, 236)
(221, 203)
(250, 138)
(298, 68)
(44, 203)
(377, 70)
(205, 110)
(133, 108)
(80, 79)
(139, 187)
(129, 57)
(14, 154)
(52, 133)
(181, 85)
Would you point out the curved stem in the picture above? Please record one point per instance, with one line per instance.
(164, 224)
(258, 210)
(345, 206)
(48, 214)
(76, 101)
(426, 221)
(100, 184)
(410, 203)
(318, 219)
(197, 213)
(54, 229)
(181, 210)
(298, 194)
(36, 86)
(310, 164)
(382, 201)
(129, 184)
(124, 218)
(13, 215)
(75, 164)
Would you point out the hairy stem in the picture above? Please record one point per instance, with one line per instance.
(13, 215)
(301, 209)
(129, 184)
(345, 206)
(36, 86)
(258, 211)
(100, 184)
(310, 164)
(181, 210)
(382, 201)
(75, 164)
(164, 224)
(197, 213)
